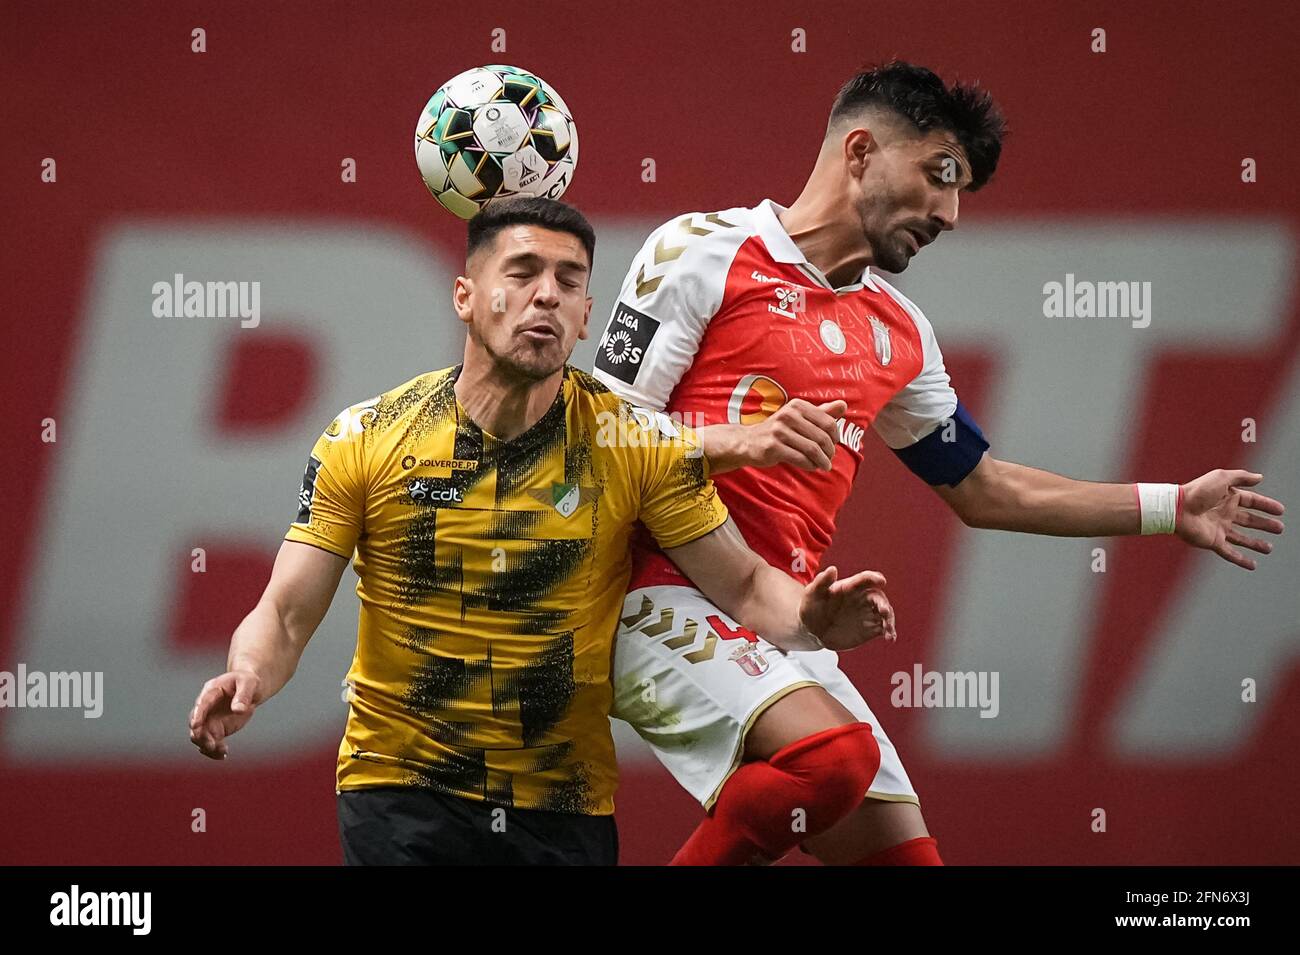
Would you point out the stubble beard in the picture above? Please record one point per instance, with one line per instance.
(524, 361)
(886, 253)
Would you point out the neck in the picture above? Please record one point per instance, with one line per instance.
(825, 226)
(503, 404)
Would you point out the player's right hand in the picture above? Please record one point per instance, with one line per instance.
(799, 433)
(224, 706)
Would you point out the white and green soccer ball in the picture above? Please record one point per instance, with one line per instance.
(494, 132)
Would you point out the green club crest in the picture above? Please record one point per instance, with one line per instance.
(565, 498)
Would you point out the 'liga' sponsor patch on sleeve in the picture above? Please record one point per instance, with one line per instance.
(625, 342)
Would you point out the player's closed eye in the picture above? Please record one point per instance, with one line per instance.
(525, 276)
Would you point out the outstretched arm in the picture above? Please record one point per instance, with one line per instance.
(1212, 512)
(267, 645)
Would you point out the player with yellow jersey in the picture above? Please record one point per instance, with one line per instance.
(487, 510)
(523, 541)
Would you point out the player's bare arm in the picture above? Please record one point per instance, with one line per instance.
(800, 433)
(1213, 512)
(827, 613)
(267, 645)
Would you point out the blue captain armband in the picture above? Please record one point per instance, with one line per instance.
(938, 461)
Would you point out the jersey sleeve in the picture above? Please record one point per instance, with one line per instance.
(331, 504)
(674, 286)
(925, 424)
(678, 501)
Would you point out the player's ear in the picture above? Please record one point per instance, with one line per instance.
(584, 332)
(860, 146)
(462, 299)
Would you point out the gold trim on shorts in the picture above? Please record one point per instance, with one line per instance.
(893, 797)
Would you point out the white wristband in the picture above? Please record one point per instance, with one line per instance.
(1158, 504)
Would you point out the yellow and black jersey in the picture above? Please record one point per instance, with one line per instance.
(491, 577)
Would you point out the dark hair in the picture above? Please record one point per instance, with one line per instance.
(920, 97)
(529, 210)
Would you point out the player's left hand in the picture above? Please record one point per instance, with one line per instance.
(846, 613)
(1216, 507)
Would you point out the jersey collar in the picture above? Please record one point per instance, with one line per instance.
(782, 248)
(549, 429)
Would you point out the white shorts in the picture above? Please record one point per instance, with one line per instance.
(692, 688)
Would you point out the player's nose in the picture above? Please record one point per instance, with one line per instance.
(547, 291)
(944, 216)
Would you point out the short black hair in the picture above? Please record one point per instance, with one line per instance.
(920, 97)
(529, 210)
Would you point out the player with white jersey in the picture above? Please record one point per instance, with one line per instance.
(765, 330)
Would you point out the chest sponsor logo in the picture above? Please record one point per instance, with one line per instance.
(755, 399)
(624, 344)
(849, 434)
(430, 491)
(453, 464)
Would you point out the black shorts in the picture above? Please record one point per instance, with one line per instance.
(405, 825)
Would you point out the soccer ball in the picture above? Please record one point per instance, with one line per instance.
(493, 132)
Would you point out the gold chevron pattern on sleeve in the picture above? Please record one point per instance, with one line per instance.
(672, 243)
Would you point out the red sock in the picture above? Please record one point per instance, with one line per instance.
(920, 851)
(825, 775)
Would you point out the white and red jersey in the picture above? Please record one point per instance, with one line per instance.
(721, 318)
